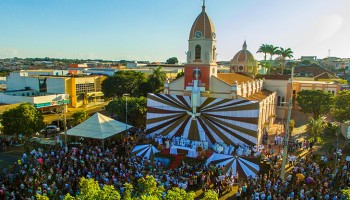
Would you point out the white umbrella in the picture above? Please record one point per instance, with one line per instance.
(246, 166)
(146, 150)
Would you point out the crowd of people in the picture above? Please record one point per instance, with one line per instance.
(55, 172)
(307, 179)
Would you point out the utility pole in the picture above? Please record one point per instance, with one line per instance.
(65, 124)
(126, 113)
(286, 138)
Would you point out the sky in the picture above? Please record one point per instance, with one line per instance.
(156, 30)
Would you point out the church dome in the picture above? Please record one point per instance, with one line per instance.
(203, 27)
(243, 55)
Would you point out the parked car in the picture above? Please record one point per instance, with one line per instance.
(50, 129)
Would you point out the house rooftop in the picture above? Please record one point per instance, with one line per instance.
(231, 78)
(259, 96)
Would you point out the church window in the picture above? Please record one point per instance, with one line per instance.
(279, 101)
(198, 51)
(240, 68)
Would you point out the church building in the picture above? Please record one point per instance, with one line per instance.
(244, 62)
(204, 105)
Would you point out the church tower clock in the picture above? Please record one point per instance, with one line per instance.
(201, 54)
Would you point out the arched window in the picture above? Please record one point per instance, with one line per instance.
(282, 100)
(198, 52)
(278, 100)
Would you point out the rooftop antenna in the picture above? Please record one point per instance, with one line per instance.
(329, 53)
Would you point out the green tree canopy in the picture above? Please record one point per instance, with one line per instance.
(156, 79)
(24, 119)
(316, 126)
(137, 110)
(284, 53)
(148, 187)
(90, 189)
(179, 194)
(122, 82)
(272, 50)
(172, 60)
(211, 195)
(264, 48)
(316, 102)
(341, 108)
(180, 74)
(79, 117)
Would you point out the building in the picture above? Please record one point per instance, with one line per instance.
(81, 90)
(244, 62)
(204, 105)
(281, 84)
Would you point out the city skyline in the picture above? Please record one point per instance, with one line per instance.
(157, 30)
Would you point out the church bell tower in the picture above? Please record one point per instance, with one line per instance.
(201, 54)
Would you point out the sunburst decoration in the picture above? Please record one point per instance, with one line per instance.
(232, 121)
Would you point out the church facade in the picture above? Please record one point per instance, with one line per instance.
(204, 105)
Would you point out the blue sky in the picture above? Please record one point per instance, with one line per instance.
(158, 29)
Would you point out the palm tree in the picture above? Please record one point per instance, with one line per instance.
(272, 50)
(316, 126)
(264, 48)
(157, 78)
(284, 53)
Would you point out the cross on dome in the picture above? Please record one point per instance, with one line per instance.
(203, 7)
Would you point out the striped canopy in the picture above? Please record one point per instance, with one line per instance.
(244, 166)
(231, 121)
(144, 151)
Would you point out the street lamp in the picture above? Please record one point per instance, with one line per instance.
(126, 95)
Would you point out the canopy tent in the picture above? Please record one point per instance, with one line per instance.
(98, 126)
(244, 166)
(144, 151)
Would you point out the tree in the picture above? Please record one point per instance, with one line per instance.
(147, 186)
(284, 53)
(172, 60)
(272, 50)
(128, 191)
(264, 48)
(180, 74)
(90, 189)
(211, 195)
(79, 117)
(122, 82)
(179, 194)
(156, 79)
(316, 102)
(42, 197)
(137, 110)
(316, 126)
(346, 192)
(24, 119)
(341, 108)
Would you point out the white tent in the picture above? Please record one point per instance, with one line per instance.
(98, 126)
